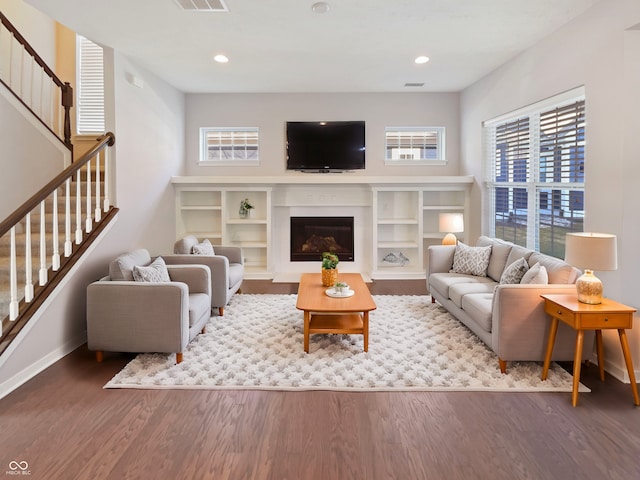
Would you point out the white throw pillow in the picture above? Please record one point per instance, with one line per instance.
(514, 272)
(155, 272)
(204, 248)
(471, 260)
(536, 274)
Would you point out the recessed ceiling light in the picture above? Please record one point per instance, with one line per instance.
(421, 59)
(320, 7)
(221, 58)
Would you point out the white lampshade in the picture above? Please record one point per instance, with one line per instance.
(451, 223)
(591, 251)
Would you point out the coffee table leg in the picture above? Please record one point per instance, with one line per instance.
(365, 330)
(307, 319)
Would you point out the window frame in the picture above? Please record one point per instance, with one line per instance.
(440, 134)
(550, 178)
(204, 159)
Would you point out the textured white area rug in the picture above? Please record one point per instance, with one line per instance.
(413, 345)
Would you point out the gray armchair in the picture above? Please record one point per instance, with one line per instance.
(124, 315)
(227, 268)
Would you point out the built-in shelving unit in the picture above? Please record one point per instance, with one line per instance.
(403, 212)
(214, 213)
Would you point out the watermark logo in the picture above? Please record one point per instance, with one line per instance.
(18, 468)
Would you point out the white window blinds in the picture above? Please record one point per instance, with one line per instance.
(535, 180)
(90, 87)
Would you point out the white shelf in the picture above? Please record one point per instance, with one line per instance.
(443, 207)
(398, 221)
(211, 212)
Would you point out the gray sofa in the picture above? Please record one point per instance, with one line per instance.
(508, 317)
(226, 265)
(124, 315)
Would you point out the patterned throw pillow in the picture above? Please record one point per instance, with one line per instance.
(471, 260)
(155, 272)
(204, 248)
(537, 274)
(514, 272)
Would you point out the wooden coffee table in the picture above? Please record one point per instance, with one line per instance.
(324, 314)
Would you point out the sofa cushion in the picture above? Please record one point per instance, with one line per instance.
(185, 245)
(499, 253)
(155, 272)
(536, 275)
(518, 252)
(203, 248)
(471, 260)
(122, 267)
(442, 282)
(478, 306)
(514, 272)
(558, 270)
(459, 290)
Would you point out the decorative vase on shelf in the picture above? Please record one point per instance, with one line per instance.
(329, 269)
(245, 208)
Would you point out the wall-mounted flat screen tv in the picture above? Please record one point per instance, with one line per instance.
(325, 146)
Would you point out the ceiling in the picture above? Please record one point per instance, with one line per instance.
(283, 46)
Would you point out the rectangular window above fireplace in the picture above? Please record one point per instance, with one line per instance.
(310, 236)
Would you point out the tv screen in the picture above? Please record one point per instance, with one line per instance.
(325, 146)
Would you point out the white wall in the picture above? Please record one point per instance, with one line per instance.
(270, 112)
(595, 50)
(149, 149)
(30, 155)
(35, 26)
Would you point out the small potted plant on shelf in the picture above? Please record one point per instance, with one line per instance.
(245, 208)
(329, 268)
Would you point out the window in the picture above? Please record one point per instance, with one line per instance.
(90, 90)
(414, 145)
(535, 181)
(229, 146)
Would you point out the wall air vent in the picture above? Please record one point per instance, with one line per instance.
(414, 84)
(203, 5)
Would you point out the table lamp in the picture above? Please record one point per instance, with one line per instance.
(591, 251)
(451, 223)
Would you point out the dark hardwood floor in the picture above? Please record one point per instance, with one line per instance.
(65, 426)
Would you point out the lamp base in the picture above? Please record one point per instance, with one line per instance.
(450, 239)
(589, 288)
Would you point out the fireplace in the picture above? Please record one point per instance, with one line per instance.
(310, 236)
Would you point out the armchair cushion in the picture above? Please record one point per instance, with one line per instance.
(203, 248)
(185, 245)
(122, 267)
(155, 272)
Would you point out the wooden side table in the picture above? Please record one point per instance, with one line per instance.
(581, 317)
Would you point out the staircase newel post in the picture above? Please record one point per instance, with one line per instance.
(67, 103)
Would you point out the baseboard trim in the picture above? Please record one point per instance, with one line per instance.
(45, 362)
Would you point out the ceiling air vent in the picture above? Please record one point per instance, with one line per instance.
(414, 84)
(203, 5)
